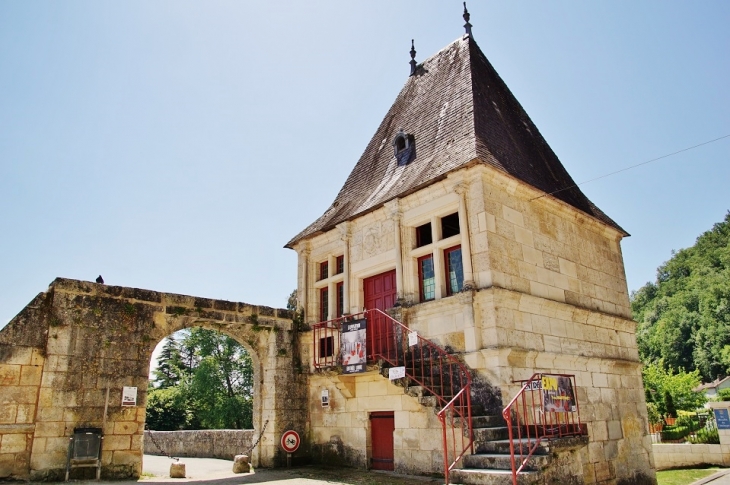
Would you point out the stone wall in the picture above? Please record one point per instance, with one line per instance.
(209, 443)
(66, 357)
(683, 455)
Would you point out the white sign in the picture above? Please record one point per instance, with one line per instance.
(412, 339)
(396, 372)
(325, 398)
(129, 396)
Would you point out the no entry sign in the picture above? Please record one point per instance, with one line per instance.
(290, 441)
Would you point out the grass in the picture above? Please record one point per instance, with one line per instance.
(684, 476)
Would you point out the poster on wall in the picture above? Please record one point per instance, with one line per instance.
(722, 418)
(129, 396)
(352, 347)
(558, 395)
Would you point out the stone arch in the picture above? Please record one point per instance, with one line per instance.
(75, 346)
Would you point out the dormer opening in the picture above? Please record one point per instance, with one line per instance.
(404, 147)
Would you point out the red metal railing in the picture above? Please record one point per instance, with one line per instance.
(545, 407)
(426, 364)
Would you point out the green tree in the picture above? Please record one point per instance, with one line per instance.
(658, 382)
(684, 317)
(167, 409)
(208, 382)
(170, 367)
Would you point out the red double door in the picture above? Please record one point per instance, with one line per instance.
(380, 292)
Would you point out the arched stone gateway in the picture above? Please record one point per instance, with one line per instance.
(66, 357)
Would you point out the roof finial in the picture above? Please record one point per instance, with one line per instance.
(413, 58)
(467, 25)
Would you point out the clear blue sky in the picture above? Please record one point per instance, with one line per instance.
(177, 146)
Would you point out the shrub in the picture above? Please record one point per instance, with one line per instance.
(724, 394)
(674, 433)
(688, 419)
(653, 413)
(706, 436)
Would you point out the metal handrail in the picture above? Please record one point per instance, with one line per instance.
(534, 421)
(426, 364)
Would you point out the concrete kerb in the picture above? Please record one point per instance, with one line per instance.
(720, 478)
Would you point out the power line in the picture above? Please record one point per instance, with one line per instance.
(633, 166)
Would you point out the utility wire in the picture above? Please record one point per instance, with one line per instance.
(633, 166)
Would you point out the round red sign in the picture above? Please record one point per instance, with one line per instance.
(290, 441)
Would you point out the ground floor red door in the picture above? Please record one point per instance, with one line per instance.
(382, 425)
(380, 292)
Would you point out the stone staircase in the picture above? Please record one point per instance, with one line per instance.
(491, 462)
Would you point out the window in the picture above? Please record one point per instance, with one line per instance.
(423, 235)
(326, 347)
(340, 265)
(404, 148)
(426, 278)
(323, 270)
(340, 299)
(450, 225)
(454, 270)
(324, 310)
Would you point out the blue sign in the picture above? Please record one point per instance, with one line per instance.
(722, 418)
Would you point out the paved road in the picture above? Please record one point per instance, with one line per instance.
(720, 478)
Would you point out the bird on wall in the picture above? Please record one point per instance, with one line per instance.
(100, 280)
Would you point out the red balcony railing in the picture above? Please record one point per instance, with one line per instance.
(545, 407)
(427, 365)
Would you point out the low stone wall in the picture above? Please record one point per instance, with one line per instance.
(210, 443)
(684, 455)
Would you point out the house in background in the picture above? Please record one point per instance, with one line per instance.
(712, 389)
(461, 224)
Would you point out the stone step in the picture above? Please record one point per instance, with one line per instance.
(502, 461)
(486, 421)
(474, 476)
(501, 446)
(483, 435)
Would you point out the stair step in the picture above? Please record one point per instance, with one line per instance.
(486, 421)
(502, 461)
(474, 476)
(502, 446)
(482, 435)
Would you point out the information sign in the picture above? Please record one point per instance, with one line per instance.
(396, 372)
(352, 347)
(129, 396)
(722, 418)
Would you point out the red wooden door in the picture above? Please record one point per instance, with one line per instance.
(382, 425)
(380, 292)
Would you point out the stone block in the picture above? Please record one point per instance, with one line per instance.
(125, 427)
(117, 442)
(177, 470)
(8, 413)
(30, 375)
(13, 443)
(241, 464)
(615, 431)
(50, 429)
(9, 375)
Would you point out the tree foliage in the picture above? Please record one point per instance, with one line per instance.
(204, 381)
(670, 391)
(684, 317)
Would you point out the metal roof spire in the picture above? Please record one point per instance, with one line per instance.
(413, 59)
(467, 25)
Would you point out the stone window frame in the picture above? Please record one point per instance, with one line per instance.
(331, 283)
(447, 207)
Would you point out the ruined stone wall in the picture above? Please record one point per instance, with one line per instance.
(223, 444)
(68, 355)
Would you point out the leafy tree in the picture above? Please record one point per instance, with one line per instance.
(166, 409)
(205, 381)
(658, 383)
(684, 317)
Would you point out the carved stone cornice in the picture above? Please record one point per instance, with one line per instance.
(345, 231)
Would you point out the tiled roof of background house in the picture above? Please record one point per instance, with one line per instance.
(460, 112)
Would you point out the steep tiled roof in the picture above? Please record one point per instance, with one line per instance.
(460, 112)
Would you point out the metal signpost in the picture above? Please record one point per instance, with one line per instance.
(290, 442)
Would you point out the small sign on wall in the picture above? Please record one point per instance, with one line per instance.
(412, 338)
(396, 372)
(129, 396)
(722, 418)
(325, 398)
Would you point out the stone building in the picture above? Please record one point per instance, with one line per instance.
(461, 222)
